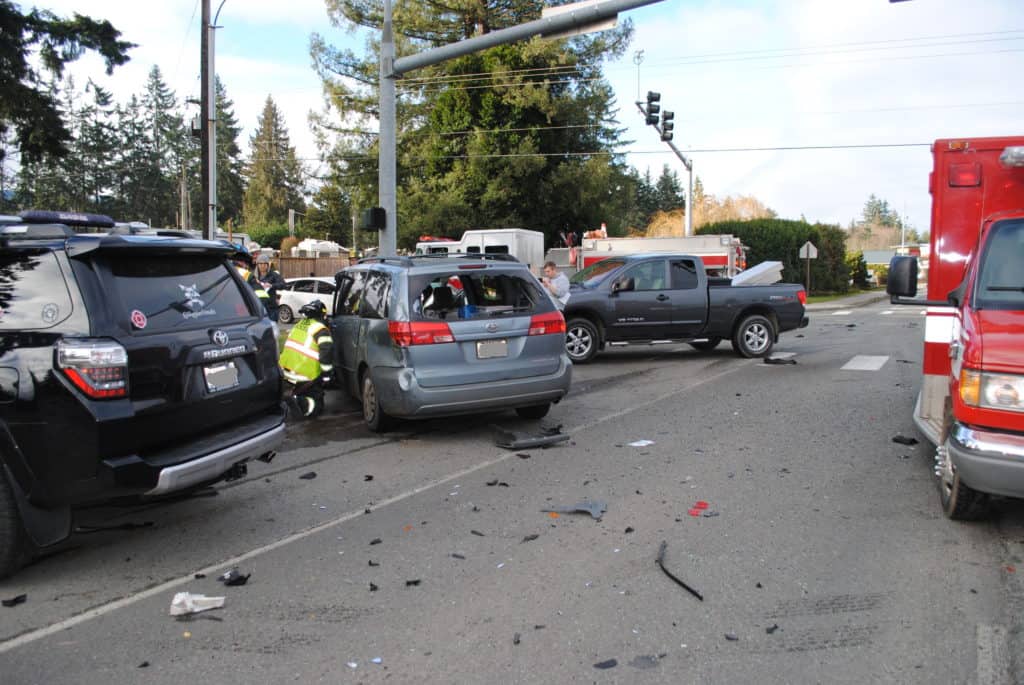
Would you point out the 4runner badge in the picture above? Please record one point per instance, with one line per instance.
(219, 337)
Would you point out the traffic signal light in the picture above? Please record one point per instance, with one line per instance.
(653, 107)
(667, 124)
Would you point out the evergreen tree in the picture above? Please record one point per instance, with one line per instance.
(135, 173)
(28, 108)
(230, 184)
(96, 145)
(165, 150)
(274, 174)
(668, 192)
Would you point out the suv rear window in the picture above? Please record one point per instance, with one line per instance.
(175, 292)
(465, 294)
(33, 292)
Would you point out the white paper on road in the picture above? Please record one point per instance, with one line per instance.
(865, 362)
(641, 443)
(185, 603)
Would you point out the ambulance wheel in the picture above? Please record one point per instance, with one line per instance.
(960, 502)
(285, 314)
(376, 418)
(754, 337)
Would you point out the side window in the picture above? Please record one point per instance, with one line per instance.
(496, 249)
(350, 303)
(684, 274)
(375, 295)
(648, 276)
(305, 286)
(324, 288)
(33, 292)
(473, 249)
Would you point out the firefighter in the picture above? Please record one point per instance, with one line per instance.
(243, 264)
(268, 280)
(307, 360)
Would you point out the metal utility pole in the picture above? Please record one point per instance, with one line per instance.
(688, 227)
(579, 17)
(204, 115)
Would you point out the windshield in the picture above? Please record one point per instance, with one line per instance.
(1001, 275)
(594, 275)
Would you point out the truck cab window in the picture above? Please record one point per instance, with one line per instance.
(684, 274)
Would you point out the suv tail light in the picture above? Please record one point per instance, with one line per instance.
(547, 324)
(99, 368)
(802, 296)
(406, 333)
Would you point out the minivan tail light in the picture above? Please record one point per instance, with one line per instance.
(802, 296)
(99, 368)
(547, 324)
(407, 333)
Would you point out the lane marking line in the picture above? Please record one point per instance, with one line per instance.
(865, 362)
(168, 585)
(841, 312)
(886, 312)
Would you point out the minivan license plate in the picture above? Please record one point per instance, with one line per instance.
(491, 349)
(220, 376)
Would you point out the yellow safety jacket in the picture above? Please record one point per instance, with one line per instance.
(300, 360)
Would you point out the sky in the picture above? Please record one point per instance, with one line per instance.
(749, 81)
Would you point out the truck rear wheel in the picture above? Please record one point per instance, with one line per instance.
(754, 336)
(581, 340)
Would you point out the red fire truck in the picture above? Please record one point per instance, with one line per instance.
(971, 403)
(723, 255)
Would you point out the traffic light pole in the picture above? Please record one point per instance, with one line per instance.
(688, 228)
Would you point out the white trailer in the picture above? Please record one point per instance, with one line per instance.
(526, 246)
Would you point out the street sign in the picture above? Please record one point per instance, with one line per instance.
(808, 251)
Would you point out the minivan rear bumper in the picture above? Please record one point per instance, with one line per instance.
(402, 396)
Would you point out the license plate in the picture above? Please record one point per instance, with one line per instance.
(220, 376)
(491, 349)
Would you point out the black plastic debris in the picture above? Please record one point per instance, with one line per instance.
(456, 555)
(477, 533)
(904, 440)
(308, 476)
(523, 455)
(131, 525)
(366, 510)
(412, 583)
(759, 586)
(503, 484)
(593, 507)
(14, 601)
(491, 483)
(645, 661)
(551, 430)
(373, 587)
(772, 628)
(367, 477)
(200, 576)
(376, 541)
(905, 361)
(529, 538)
(778, 360)
(511, 440)
(516, 638)
(731, 637)
(661, 562)
(851, 325)
(144, 664)
(539, 626)
(234, 577)
(604, 665)
(374, 563)
(629, 530)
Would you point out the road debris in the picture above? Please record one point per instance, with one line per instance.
(516, 638)
(530, 538)
(308, 476)
(641, 443)
(903, 440)
(352, 665)
(412, 583)
(373, 587)
(646, 661)
(185, 603)
(772, 628)
(604, 665)
(477, 533)
(377, 660)
(367, 477)
(710, 514)
(660, 560)
(456, 555)
(144, 664)
(234, 577)
(376, 541)
(629, 530)
(511, 440)
(374, 563)
(731, 637)
(779, 360)
(14, 601)
(595, 508)
(523, 455)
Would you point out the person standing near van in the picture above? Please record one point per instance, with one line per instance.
(269, 281)
(556, 283)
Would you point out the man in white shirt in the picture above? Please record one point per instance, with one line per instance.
(556, 283)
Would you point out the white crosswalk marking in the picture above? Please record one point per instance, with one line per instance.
(841, 312)
(866, 362)
(886, 312)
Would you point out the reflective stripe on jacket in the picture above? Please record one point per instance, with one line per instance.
(300, 359)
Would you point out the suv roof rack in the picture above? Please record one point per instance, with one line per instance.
(35, 232)
(39, 216)
(404, 261)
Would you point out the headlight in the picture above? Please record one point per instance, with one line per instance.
(992, 390)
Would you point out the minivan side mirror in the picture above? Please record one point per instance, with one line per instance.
(623, 284)
(902, 277)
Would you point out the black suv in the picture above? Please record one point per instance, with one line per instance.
(130, 366)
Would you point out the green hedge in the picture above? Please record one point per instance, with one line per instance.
(780, 240)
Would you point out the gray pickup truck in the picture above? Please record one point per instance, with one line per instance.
(649, 298)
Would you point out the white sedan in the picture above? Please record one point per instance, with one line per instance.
(301, 291)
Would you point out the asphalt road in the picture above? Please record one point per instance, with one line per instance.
(822, 550)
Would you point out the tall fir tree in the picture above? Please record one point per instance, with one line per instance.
(230, 165)
(274, 175)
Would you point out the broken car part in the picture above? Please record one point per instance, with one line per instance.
(661, 562)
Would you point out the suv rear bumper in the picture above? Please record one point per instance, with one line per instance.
(988, 461)
(403, 397)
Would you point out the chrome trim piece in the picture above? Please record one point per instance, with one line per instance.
(1005, 444)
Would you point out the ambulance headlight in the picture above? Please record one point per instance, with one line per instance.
(992, 390)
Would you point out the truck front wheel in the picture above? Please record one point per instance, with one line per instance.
(960, 502)
(754, 337)
(581, 340)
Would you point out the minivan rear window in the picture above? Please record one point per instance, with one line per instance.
(467, 294)
(163, 293)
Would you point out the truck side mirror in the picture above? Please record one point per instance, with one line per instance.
(902, 277)
(623, 284)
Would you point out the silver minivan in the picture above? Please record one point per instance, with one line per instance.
(428, 336)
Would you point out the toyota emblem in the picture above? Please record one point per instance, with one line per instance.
(492, 327)
(220, 337)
